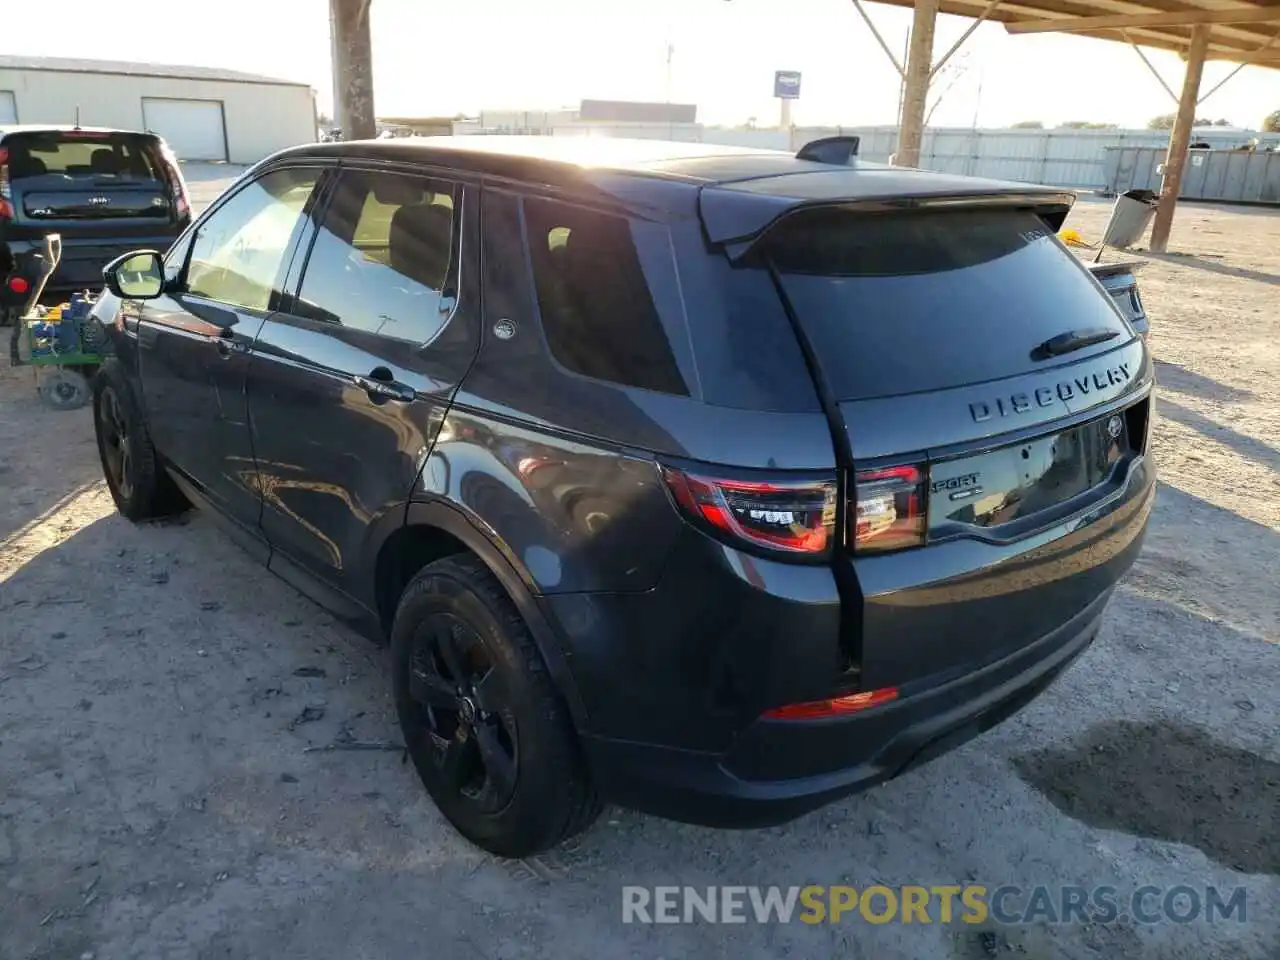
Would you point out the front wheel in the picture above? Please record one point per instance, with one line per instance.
(485, 726)
(138, 484)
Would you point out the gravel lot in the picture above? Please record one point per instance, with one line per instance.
(157, 796)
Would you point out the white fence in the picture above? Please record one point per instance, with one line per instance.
(1066, 158)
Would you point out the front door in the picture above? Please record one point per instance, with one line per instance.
(196, 339)
(350, 380)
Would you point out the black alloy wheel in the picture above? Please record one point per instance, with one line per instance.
(461, 701)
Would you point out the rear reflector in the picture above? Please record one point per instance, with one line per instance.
(890, 510)
(835, 707)
(783, 516)
(19, 284)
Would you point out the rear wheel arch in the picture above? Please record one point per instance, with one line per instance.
(435, 530)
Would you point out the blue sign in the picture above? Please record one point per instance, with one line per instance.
(786, 84)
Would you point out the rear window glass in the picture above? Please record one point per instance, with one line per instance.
(112, 156)
(914, 302)
(598, 312)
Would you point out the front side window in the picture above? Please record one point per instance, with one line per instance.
(598, 311)
(238, 250)
(382, 256)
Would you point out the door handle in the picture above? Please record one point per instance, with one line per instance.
(384, 388)
(227, 344)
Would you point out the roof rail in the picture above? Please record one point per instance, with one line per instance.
(835, 150)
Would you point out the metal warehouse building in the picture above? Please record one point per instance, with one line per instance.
(204, 113)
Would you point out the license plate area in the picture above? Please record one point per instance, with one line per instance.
(1030, 481)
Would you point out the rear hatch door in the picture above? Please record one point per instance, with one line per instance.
(89, 181)
(986, 390)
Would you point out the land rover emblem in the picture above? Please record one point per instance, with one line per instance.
(1114, 426)
(504, 329)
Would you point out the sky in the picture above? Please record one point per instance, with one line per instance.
(434, 57)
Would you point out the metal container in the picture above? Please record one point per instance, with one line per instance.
(1130, 216)
(1230, 176)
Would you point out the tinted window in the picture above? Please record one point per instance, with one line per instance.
(109, 156)
(597, 310)
(907, 303)
(237, 252)
(382, 255)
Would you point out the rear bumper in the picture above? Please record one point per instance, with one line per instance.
(867, 748)
(84, 257)
(675, 682)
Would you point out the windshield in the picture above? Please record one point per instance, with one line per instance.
(75, 154)
(906, 303)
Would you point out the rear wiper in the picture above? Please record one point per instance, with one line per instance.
(1073, 340)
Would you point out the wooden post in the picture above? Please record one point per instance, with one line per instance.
(353, 68)
(916, 88)
(1175, 161)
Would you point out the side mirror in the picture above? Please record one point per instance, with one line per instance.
(135, 276)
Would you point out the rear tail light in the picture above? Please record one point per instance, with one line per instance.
(835, 707)
(890, 508)
(795, 517)
(19, 285)
(177, 184)
(6, 192)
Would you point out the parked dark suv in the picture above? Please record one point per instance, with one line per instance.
(712, 482)
(103, 191)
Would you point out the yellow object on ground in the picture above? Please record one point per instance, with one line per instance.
(1072, 238)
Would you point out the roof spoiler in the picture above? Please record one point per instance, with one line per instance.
(839, 151)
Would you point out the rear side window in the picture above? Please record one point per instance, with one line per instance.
(382, 256)
(897, 304)
(75, 154)
(598, 312)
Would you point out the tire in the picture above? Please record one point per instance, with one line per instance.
(500, 759)
(138, 484)
(63, 388)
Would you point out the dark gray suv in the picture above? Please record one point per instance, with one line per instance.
(713, 482)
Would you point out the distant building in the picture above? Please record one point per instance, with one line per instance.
(204, 113)
(636, 111)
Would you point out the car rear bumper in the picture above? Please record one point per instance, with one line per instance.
(675, 682)
(725, 790)
(84, 257)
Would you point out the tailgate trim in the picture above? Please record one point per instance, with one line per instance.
(937, 421)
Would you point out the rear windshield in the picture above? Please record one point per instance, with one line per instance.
(97, 156)
(906, 303)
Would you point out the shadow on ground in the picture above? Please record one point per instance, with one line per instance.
(1203, 263)
(1177, 377)
(1243, 444)
(1122, 775)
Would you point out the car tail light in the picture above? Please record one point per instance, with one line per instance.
(835, 707)
(6, 192)
(795, 517)
(19, 285)
(177, 184)
(889, 508)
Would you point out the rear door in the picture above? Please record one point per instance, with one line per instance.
(987, 389)
(351, 379)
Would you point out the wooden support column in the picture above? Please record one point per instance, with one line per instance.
(352, 68)
(1175, 161)
(916, 91)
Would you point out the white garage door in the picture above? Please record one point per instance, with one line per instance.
(193, 128)
(8, 107)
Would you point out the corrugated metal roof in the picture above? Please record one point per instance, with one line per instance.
(126, 68)
(1242, 31)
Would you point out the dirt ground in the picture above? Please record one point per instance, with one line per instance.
(162, 699)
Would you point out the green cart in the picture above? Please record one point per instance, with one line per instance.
(57, 342)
